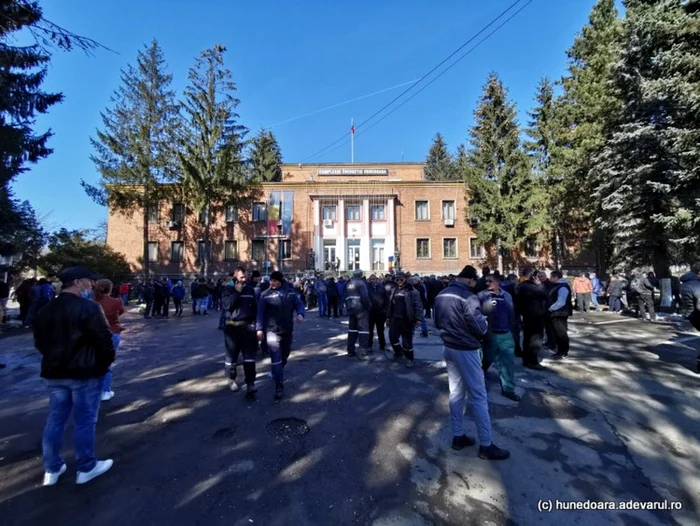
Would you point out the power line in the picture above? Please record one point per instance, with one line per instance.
(344, 137)
(435, 78)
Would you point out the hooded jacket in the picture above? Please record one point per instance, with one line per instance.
(690, 293)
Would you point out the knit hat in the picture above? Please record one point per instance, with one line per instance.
(277, 276)
(468, 272)
(255, 274)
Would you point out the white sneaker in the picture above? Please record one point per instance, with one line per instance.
(51, 478)
(101, 467)
(233, 386)
(107, 395)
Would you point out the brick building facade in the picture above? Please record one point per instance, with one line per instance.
(366, 216)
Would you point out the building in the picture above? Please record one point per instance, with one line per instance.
(359, 216)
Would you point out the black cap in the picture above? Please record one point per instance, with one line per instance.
(79, 272)
(468, 272)
(255, 274)
(277, 276)
(400, 274)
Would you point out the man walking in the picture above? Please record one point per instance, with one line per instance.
(690, 294)
(75, 342)
(275, 325)
(357, 304)
(462, 326)
(321, 295)
(499, 344)
(644, 291)
(560, 309)
(239, 303)
(377, 314)
(405, 311)
(531, 298)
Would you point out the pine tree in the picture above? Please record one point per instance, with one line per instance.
(585, 107)
(548, 218)
(22, 69)
(133, 151)
(438, 164)
(649, 169)
(213, 168)
(265, 158)
(497, 174)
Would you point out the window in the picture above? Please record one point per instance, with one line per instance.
(178, 212)
(422, 211)
(423, 248)
(258, 250)
(476, 250)
(286, 249)
(378, 213)
(449, 247)
(329, 212)
(448, 210)
(153, 251)
(532, 250)
(176, 251)
(203, 216)
(201, 251)
(153, 212)
(259, 212)
(352, 213)
(231, 250)
(231, 214)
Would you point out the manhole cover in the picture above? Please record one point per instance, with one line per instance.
(287, 429)
(224, 432)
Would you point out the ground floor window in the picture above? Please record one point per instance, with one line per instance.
(286, 249)
(231, 250)
(423, 248)
(476, 250)
(153, 251)
(378, 260)
(176, 251)
(258, 250)
(353, 255)
(449, 249)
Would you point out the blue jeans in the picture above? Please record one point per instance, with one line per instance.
(464, 375)
(125, 299)
(82, 398)
(423, 327)
(322, 304)
(202, 304)
(107, 385)
(280, 346)
(594, 300)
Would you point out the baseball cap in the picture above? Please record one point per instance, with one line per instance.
(77, 272)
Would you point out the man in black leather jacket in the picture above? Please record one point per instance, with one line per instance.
(75, 342)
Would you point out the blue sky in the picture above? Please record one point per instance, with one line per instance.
(290, 57)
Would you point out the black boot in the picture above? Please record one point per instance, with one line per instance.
(279, 393)
(493, 452)
(462, 442)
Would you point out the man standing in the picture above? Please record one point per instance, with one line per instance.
(75, 342)
(462, 326)
(357, 304)
(615, 293)
(275, 325)
(167, 290)
(148, 298)
(332, 293)
(377, 314)
(4, 296)
(597, 290)
(560, 310)
(321, 295)
(690, 294)
(341, 295)
(422, 292)
(644, 291)
(239, 303)
(531, 298)
(499, 345)
(583, 289)
(405, 311)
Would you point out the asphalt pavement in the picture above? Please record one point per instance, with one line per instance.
(366, 443)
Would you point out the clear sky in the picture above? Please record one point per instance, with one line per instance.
(290, 57)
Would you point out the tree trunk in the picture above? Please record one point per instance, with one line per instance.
(146, 259)
(499, 255)
(662, 263)
(555, 250)
(207, 248)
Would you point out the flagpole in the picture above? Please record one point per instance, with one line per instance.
(352, 141)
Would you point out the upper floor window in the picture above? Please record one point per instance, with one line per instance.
(153, 212)
(329, 212)
(176, 251)
(231, 214)
(476, 251)
(378, 213)
(259, 212)
(422, 211)
(178, 213)
(448, 210)
(153, 251)
(353, 212)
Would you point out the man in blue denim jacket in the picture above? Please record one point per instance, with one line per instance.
(462, 326)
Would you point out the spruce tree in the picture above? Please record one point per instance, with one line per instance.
(22, 69)
(212, 142)
(133, 150)
(438, 164)
(497, 174)
(649, 169)
(265, 158)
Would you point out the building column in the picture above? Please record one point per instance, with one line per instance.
(318, 237)
(340, 239)
(365, 256)
(390, 240)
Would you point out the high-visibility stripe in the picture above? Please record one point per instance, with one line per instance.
(276, 363)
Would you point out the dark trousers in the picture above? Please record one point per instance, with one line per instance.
(165, 307)
(358, 327)
(401, 328)
(647, 301)
(583, 301)
(149, 308)
(533, 332)
(561, 335)
(279, 346)
(551, 340)
(333, 306)
(240, 339)
(615, 304)
(157, 306)
(178, 306)
(377, 319)
(427, 312)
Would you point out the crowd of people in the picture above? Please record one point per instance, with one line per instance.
(482, 320)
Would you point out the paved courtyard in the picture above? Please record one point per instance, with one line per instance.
(364, 443)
